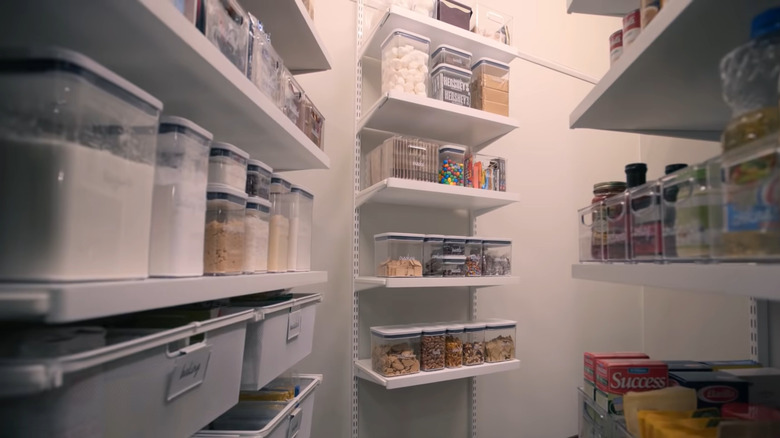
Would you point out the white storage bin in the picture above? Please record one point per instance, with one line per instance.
(145, 387)
(227, 165)
(77, 153)
(279, 337)
(179, 200)
(301, 222)
(258, 419)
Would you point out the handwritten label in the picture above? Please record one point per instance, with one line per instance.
(293, 325)
(295, 423)
(190, 370)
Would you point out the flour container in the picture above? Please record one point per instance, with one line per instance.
(301, 222)
(179, 200)
(225, 232)
(78, 144)
(228, 165)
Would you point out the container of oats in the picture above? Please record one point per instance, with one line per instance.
(500, 337)
(224, 241)
(474, 344)
(395, 350)
(432, 347)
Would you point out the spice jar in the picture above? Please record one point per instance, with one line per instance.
(432, 347)
(258, 179)
(473, 257)
(258, 212)
(227, 165)
(474, 345)
(453, 346)
(602, 191)
(432, 255)
(224, 241)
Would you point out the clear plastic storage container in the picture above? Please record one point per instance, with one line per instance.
(454, 13)
(474, 345)
(398, 254)
(402, 157)
(301, 223)
(491, 23)
(646, 222)
(179, 201)
(225, 234)
(485, 172)
(279, 232)
(453, 345)
(405, 57)
(453, 266)
(451, 84)
(497, 256)
(265, 65)
(291, 98)
(226, 25)
(227, 165)
(452, 56)
(258, 214)
(500, 340)
(78, 142)
(395, 350)
(313, 123)
(258, 179)
(473, 257)
(592, 232)
(490, 86)
(432, 347)
(279, 184)
(432, 255)
(454, 246)
(451, 165)
(618, 243)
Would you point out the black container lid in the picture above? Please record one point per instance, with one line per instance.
(636, 174)
(671, 168)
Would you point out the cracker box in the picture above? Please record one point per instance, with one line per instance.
(616, 377)
(590, 366)
(686, 365)
(713, 389)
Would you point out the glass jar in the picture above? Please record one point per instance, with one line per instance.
(451, 165)
(258, 179)
(497, 257)
(473, 257)
(227, 165)
(500, 340)
(405, 57)
(432, 347)
(432, 255)
(395, 350)
(224, 241)
(453, 345)
(279, 232)
(256, 229)
(301, 222)
(398, 254)
(474, 345)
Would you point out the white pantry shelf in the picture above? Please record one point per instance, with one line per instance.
(364, 371)
(425, 117)
(433, 195)
(294, 36)
(750, 280)
(668, 81)
(439, 32)
(69, 302)
(152, 45)
(612, 8)
(365, 283)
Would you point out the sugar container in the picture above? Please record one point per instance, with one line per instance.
(451, 84)
(497, 255)
(473, 257)
(454, 13)
(474, 344)
(301, 222)
(398, 254)
(79, 143)
(453, 345)
(405, 57)
(395, 350)
(258, 213)
(312, 123)
(265, 65)
(492, 24)
(258, 179)
(279, 232)
(432, 255)
(226, 25)
(227, 165)
(500, 337)
(490, 86)
(432, 347)
(224, 240)
(291, 97)
(451, 165)
(453, 56)
(179, 201)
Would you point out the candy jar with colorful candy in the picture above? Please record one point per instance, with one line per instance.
(451, 169)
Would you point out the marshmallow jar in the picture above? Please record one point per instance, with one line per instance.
(405, 58)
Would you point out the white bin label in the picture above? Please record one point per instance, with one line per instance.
(294, 325)
(190, 370)
(295, 423)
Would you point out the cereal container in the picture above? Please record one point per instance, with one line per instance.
(291, 98)
(225, 219)
(312, 123)
(405, 63)
(265, 65)
(227, 165)
(395, 350)
(432, 347)
(279, 184)
(398, 254)
(646, 227)
(454, 13)
(618, 243)
(226, 25)
(451, 84)
(492, 24)
(473, 257)
(451, 165)
(474, 344)
(279, 232)
(500, 340)
(301, 221)
(179, 201)
(432, 255)
(258, 213)
(497, 257)
(453, 266)
(454, 246)
(490, 86)
(258, 179)
(452, 56)
(453, 345)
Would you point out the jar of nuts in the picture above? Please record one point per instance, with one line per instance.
(453, 346)
(474, 345)
(395, 350)
(432, 347)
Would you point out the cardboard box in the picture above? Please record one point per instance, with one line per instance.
(489, 94)
(491, 107)
(686, 365)
(589, 366)
(616, 377)
(764, 385)
(713, 389)
(490, 81)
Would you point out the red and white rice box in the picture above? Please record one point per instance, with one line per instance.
(615, 46)
(632, 26)
(590, 365)
(616, 377)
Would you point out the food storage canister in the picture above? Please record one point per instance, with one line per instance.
(258, 179)
(398, 254)
(179, 199)
(291, 97)
(265, 65)
(395, 350)
(490, 86)
(645, 221)
(404, 67)
(432, 255)
(451, 84)
(497, 256)
(226, 24)
(432, 347)
(258, 216)
(451, 165)
(454, 246)
(279, 232)
(454, 13)
(453, 266)
(452, 56)
(227, 165)
(301, 222)
(225, 234)
(312, 123)
(500, 340)
(593, 221)
(279, 184)
(473, 257)
(492, 24)
(453, 345)
(474, 345)
(78, 142)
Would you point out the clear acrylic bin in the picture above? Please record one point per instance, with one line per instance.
(474, 345)
(500, 340)
(592, 232)
(301, 223)
(258, 214)
(474, 257)
(265, 65)
(432, 347)
(225, 233)
(451, 165)
(618, 243)
(228, 165)
(258, 179)
(226, 25)
(492, 24)
(646, 222)
(451, 84)
(432, 255)
(402, 157)
(312, 123)
(279, 232)
(398, 254)
(63, 114)
(395, 350)
(485, 172)
(497, 255)
(405, 57)
(454, 13)
(291, 98)
(490, 86)
(452, 56)
(179, 201)
(453, 345)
